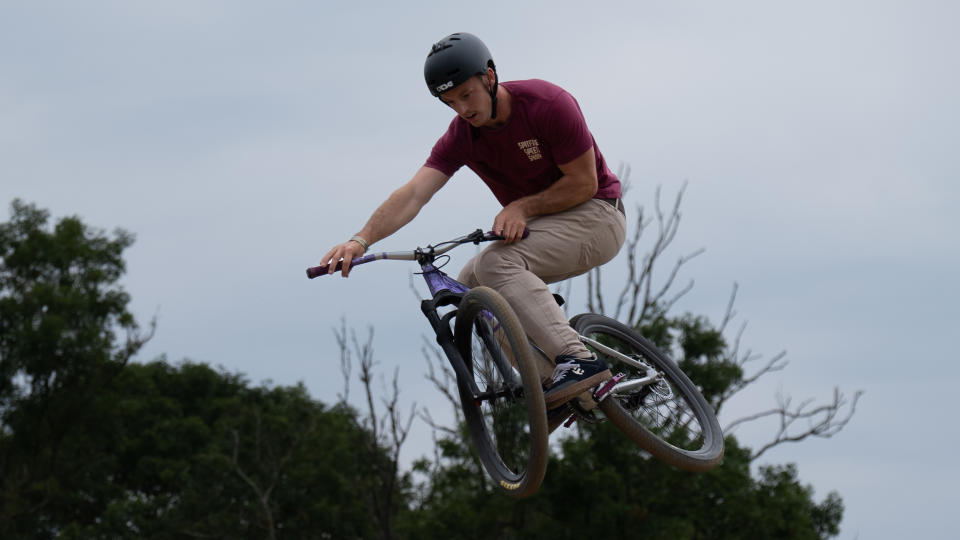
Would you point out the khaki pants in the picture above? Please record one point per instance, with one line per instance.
(560, 246)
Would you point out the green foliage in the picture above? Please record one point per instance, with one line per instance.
(94, 447)
(60, 304)
(699, 348)
(91, 447)
(602, 486)
(192, 451)
(171, 452)
(60, 308)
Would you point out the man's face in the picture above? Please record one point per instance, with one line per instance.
(471, 100)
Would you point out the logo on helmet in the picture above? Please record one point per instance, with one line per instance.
(445, 86)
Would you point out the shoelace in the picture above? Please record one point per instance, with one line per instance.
(561, 370)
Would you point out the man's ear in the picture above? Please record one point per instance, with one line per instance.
(489, 79)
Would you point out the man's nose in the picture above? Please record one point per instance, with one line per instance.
(459, 106)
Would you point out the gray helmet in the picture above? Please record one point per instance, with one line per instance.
(456, 58)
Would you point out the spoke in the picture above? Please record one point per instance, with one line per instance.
(657, 406)
(500, 407)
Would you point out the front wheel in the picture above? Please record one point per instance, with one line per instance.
(503, 404)
(668, 417)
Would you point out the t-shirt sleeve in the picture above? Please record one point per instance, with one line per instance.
(445, 156)
(567, 132)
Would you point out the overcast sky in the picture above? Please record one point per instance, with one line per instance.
(239, 141)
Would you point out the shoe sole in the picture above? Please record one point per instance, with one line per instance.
(554, 398)
(554, 423)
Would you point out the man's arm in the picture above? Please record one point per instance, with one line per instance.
(577, 185)
(401, 207)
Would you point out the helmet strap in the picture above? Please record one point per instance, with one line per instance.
(493, 95)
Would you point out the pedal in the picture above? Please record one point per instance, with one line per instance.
(605, 389)
(582, 410)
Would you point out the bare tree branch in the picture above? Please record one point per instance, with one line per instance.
(346, 364)
(823, 421)
(564, 289)
(399, 428)
(631, 287)
(641, 296)
(389, 429)
(436, 426)
(446, 383)
(623, 173)
(263, 496)
(593, 291)
(730, 313)
(443, 379)
(644, 298)
(733, 356)
(412, 284)
(273, 464)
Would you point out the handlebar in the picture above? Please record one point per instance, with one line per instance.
(475, 237)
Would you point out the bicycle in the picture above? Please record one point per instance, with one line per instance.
(650, 399)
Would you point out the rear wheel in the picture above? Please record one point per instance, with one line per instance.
(669, 417)
(506, 416)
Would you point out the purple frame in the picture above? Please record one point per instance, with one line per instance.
(437, 281)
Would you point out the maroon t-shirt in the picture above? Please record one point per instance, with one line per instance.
(520, 158)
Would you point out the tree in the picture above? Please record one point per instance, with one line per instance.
(60, 312)
(712, 359)
(600, 484)
(93, 446)
(195, 452)
(388, 429)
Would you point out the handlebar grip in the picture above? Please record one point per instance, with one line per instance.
(317, 271)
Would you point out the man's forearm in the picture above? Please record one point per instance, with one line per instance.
(403, 205)
(564, 194)
(398, 210)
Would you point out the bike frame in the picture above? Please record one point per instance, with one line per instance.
(628, 385)
(651, 374)
(446, 291)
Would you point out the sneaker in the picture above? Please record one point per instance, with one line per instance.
(557, 416)
(572, 376)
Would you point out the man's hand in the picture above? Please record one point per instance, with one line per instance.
(577, 185)
(511, 222)
(347, 251)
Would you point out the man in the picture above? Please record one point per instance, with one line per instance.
(528, 141)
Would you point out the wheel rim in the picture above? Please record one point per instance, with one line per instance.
(658, 407)
(501, 405)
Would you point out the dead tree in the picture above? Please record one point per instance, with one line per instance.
(389, 428)
(646, 295)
